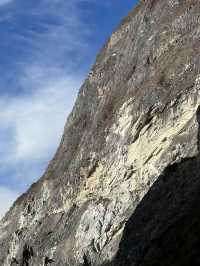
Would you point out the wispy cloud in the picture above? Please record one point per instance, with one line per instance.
(55, 31)
(6, 199)
(35, 119)
(32, 120)
(31, 124)
(4, 2)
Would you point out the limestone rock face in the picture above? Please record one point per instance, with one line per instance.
(124, 185)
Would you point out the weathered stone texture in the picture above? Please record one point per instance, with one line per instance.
(129, 155)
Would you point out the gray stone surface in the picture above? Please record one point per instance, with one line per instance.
(126, 171)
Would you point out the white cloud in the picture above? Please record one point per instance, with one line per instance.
(31, 126)
(34, 122)
(31, 123)
(7, 197)
(3, 2)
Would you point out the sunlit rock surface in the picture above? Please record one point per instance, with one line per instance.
(124, 185)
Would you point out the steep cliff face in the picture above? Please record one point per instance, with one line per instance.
(123, 185)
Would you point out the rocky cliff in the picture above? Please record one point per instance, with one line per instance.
(124, 185)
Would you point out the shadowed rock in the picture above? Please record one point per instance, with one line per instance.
(165, 227)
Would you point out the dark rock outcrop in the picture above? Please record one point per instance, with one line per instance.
(123, 186)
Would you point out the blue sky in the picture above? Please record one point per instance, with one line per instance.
(47, 47)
